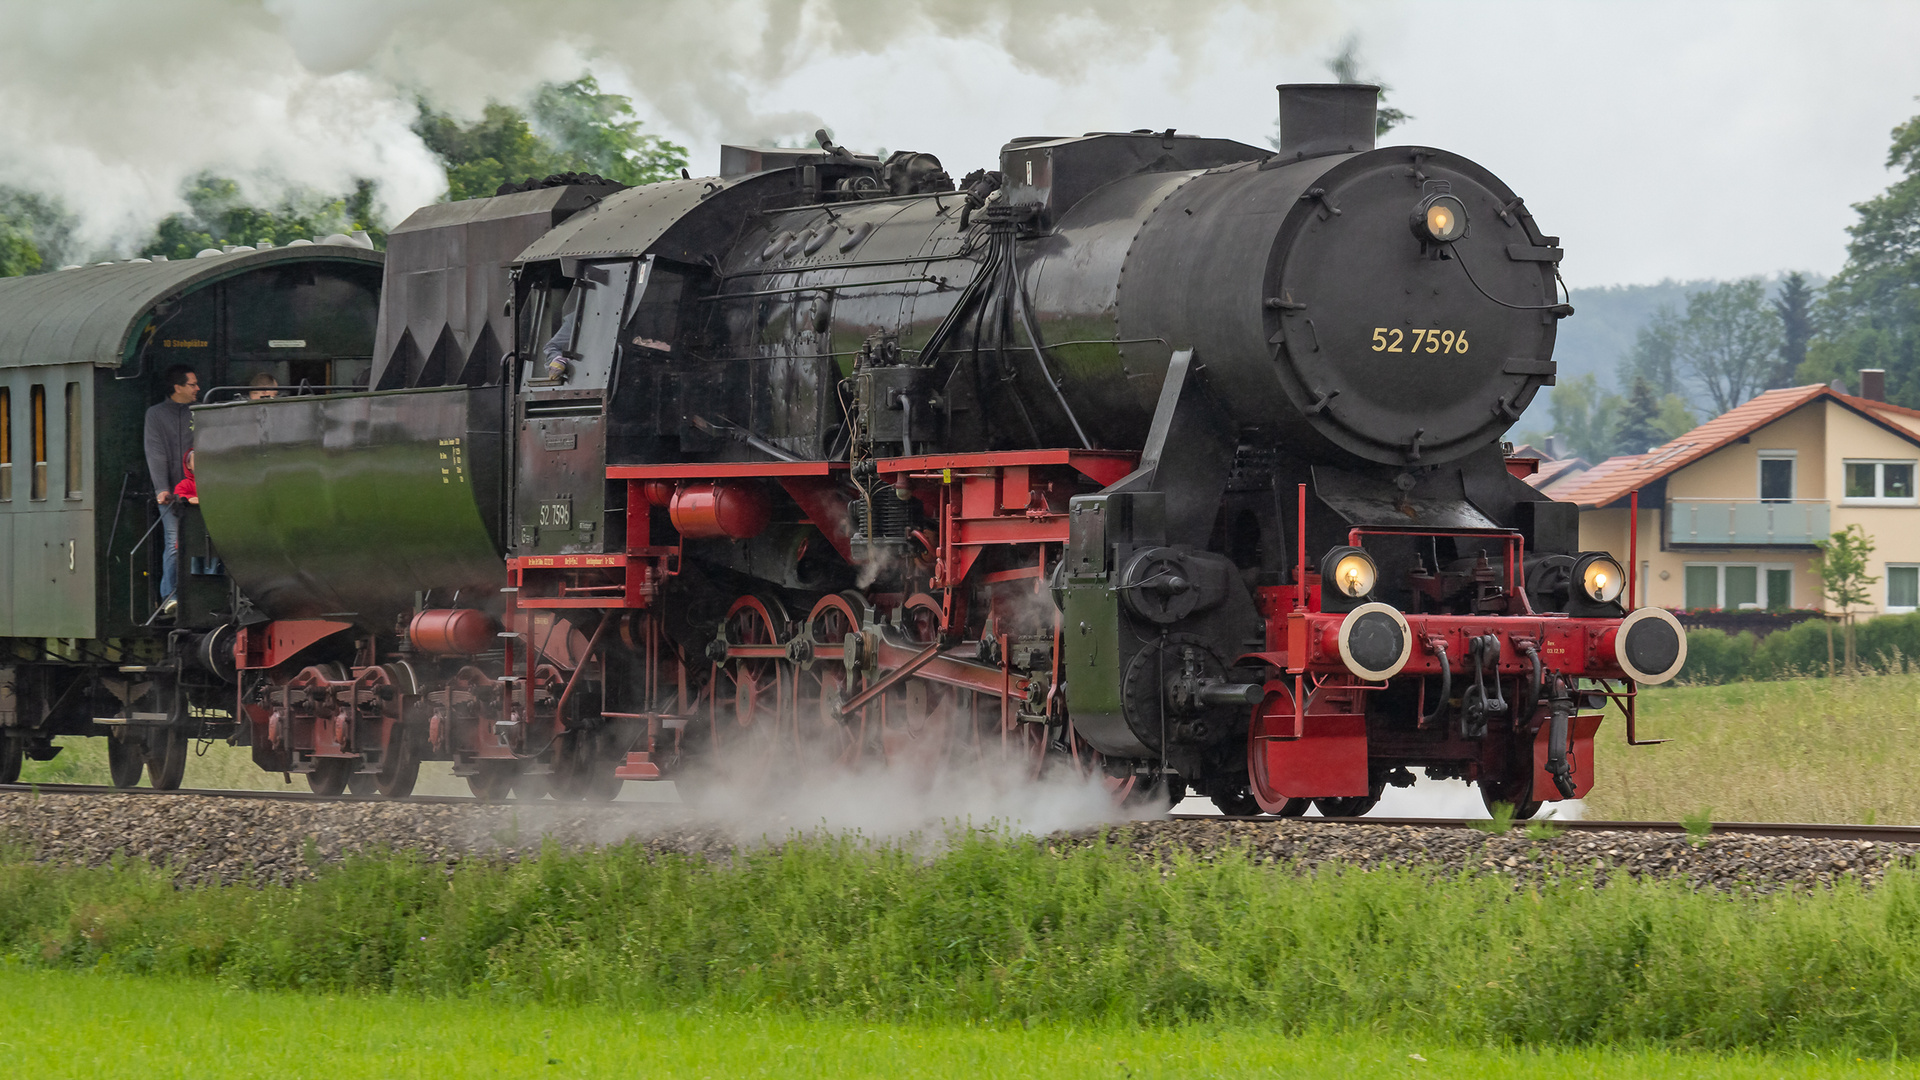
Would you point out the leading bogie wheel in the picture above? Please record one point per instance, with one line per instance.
(1236, 803)
(362, 783)
(491, 780)
(1515, 794)
(1349, 806)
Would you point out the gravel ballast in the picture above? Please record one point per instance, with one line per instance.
(207, 839)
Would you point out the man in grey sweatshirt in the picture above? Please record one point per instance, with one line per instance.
(169, 436)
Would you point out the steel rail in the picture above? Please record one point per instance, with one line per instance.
(289, 796)
(1804, 830)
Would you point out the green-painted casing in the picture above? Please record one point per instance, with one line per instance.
(349, 504)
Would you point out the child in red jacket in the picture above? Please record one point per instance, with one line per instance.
(186, 489)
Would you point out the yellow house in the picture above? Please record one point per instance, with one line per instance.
(1730, 511)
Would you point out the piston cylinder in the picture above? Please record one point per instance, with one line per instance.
(453, 631)
(709, 509)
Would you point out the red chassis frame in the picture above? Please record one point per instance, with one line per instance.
(1013, 499)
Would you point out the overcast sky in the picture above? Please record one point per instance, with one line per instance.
(1661, 140)
(1680, 139)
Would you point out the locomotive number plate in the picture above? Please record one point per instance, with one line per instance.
(556, 515)
(1393, 339)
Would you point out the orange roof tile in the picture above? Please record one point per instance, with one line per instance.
(1613, 478)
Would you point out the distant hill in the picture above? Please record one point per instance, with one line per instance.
(1602, 329)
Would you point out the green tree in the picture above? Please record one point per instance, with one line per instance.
(1729, 341)
(573, 127)
(1584, 417)
(1795, 305)
(1675, 418)
(1638, 425)
(18, 253)
(1869, 315)
(1655, 354)
(1841, 570)
(600, 132)
(35, 233)
(218, 214)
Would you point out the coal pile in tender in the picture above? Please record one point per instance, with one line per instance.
(212, 839)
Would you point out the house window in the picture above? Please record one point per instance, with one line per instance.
(1776, 475)
(1880, 482)
(1903, 587)
(1739, 586)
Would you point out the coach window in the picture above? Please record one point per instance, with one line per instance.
(37, 404)
(6, 444)
(1879, 483)
(76, 451)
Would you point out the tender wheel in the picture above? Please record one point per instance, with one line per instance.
(12, 753)
(1293, 808)
(493, 780)
(400, 771)
(362, 783)
(330, 775)
(166, 758)
(532, 786)
(126, 758)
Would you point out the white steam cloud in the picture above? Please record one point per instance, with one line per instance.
(113, 104)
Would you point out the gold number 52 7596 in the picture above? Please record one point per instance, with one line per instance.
(1391, 339)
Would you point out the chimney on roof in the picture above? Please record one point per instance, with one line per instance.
(1547, 444)
(1873, 384)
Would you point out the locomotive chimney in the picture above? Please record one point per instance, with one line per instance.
(1873, 384)
(1326, 118)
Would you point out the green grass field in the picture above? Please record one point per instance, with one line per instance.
(1831, 750)
(105, 1027)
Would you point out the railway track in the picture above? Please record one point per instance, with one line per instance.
(1806, 830)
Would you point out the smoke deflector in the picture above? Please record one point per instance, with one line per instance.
(1326, 118)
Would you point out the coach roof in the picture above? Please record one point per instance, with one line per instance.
(94, 314)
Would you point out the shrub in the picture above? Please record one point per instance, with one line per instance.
(1715, 656)
(1888, 643)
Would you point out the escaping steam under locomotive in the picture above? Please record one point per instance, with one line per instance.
(1171, 460)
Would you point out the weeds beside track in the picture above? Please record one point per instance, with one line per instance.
(1013, 930)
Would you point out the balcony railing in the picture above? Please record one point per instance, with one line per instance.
(1746, 522)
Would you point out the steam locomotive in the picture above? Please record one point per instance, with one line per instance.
(1168, 460)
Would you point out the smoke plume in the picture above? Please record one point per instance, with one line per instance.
(113, 104)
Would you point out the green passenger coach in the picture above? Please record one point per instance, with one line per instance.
(83, 354)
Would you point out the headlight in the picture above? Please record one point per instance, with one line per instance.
(1601, 579)
(1440, 219)
(1350, 571)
